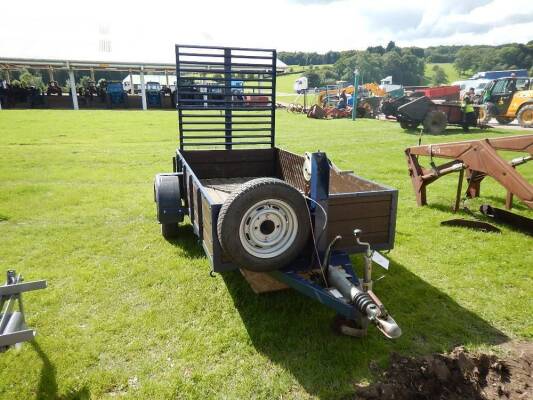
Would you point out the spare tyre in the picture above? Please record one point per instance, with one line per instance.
(264, 225)
(435, 122)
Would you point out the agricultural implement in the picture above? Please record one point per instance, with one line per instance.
(154, 95)
(434, 117)
(116, 95)
(480, 159)
(13, 328)
(283, 219)
(506, 99)
(447, 93)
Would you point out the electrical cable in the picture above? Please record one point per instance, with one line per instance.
(315, 240)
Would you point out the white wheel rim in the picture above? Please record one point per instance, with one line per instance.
(268, 228)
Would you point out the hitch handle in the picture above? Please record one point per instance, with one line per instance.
(367, 272)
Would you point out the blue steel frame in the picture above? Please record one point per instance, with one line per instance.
(292, 275)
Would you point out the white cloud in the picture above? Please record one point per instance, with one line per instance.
(144, 31)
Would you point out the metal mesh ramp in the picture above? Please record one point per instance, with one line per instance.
(225, 96)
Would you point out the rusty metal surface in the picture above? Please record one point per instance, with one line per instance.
(290, 168)
(480, 159)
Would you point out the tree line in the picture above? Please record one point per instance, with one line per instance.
(303, 58)
(407, 64)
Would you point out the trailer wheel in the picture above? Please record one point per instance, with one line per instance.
(435, 122)
(264, 225)
(169, 231)
(168, 203)
(409, 126)
(525, 116)
(486, 113)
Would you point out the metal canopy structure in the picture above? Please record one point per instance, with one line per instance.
(227, 101)
(13, 64)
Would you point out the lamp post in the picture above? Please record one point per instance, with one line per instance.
(355, 84)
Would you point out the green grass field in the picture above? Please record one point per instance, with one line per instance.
(129, 314)
(448, 68)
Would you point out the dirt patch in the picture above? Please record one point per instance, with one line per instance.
(458, 375)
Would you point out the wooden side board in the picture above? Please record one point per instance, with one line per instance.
(355, 203)
(371, 214)
(231, 163)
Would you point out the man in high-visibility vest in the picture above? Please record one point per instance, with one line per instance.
(469, 115)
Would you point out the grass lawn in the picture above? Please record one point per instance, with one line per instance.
(130, 314)
(448, 68)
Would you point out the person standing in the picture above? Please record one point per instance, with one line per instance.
(469, 115)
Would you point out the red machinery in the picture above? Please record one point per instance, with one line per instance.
(448, 93)
(480, 159)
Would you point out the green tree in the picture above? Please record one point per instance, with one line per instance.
(313, 78)
(466, 59)
(439, 76)
(390, 46)
(84, 82)
(27, 79)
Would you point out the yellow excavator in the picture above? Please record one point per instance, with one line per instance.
(335, 90)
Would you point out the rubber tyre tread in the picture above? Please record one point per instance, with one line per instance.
(231, 213)
(170, 231)
(504, 120)
(484, 116)
(520, 115)
(409, 126)
(435, 122)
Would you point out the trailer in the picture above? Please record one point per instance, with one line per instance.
(447, 93)
(286, 219)
(434, 117)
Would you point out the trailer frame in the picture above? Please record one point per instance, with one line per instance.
(207, 167)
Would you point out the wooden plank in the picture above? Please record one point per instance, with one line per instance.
(369, 225)
(207, 230)
(233, 169)
(351, 211)
(195, 217)
(341, 200)
(220, 188)
(222, 156)
(261, 282)
(350, 183)
(231, 163)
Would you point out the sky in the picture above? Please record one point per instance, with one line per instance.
(133, 30)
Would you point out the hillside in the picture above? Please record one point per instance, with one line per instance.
(449, 69)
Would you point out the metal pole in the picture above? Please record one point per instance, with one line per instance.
(355, 83)
(8, 76)
(166, 78)
(73, 89)
(132, 89)
(92, 74)
(50, 74)
(143, 90)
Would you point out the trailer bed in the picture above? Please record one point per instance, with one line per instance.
(220, 188)
(210, 176)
